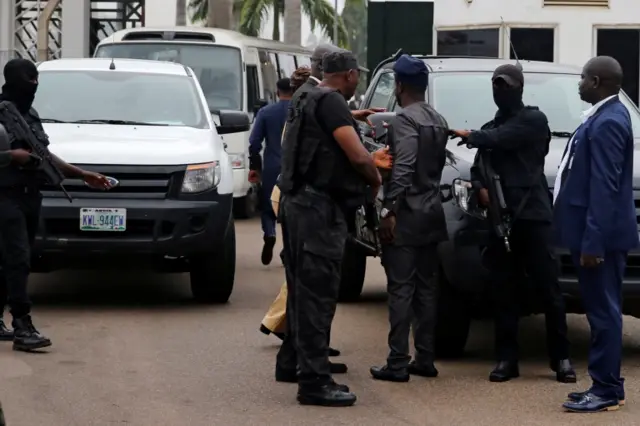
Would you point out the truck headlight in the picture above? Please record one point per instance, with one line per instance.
(461, 192)
(201, 177)
(237, 161)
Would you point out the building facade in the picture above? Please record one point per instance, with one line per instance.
(565, 31)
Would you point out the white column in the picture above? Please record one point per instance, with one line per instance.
(76, 16)
(7, 32)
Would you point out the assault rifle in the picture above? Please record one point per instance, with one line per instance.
(17, 127)
(497, 211)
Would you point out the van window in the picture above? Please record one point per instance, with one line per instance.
(287, 64)
(383, 92)
(303, 61)
(148, 98)
(253, 88)
(269, 67)
(218, 68)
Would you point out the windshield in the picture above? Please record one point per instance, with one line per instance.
(120, 97)
(218, 68)
(555, 94)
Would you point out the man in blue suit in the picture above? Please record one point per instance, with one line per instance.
(595, 219)
(268, 127)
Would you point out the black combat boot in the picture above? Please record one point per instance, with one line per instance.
(505, 371)
(564, 371)
(25, 336)
(390, 375)
(329, 395)
(427, 369)
(6, 335)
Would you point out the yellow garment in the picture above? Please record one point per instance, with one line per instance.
(275, 319)
(275, 199)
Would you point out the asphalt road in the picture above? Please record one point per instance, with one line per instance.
(132, 349)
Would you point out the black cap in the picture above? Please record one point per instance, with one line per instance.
(340, 61)
(511, 74)
(411, 71)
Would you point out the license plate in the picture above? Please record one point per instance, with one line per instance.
(114, 220)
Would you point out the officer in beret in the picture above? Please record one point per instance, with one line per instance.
(325, 173)
(515, 143)
(412, 223)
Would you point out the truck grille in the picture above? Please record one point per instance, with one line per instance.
(141, 182)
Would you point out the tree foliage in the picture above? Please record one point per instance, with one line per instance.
(253, 14)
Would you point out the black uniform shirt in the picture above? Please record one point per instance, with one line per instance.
(417, 141)
(519, 143)
(14, 176)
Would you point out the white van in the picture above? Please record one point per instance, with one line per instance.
(147, 125)
(236, 72)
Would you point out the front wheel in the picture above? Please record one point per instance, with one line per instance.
(453, 321)
(245, 207)
(213, 275)
(354, 268)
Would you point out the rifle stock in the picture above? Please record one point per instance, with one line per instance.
(16, 126)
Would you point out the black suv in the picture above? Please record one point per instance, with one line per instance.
(460, 89)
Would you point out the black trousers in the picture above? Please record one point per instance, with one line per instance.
(531, 252)
(412, 284)
(19, 217)
(314, 234)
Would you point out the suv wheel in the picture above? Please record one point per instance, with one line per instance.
(453, 322)
(245, 207)
(354, 268)
(212, 275)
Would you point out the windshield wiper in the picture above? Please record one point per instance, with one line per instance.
(561, 134)
(52, 120)
(118, 122)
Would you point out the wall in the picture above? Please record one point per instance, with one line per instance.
(574, 34)
(160, 13)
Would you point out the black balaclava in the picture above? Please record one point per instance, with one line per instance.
(508, 82)
(20, 76)
(507, 98)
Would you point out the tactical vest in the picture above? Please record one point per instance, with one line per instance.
(311, 156)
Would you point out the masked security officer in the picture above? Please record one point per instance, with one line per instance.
(5, 160)
(20, 201)
(412, 223)
(325, 170)
(516, 142)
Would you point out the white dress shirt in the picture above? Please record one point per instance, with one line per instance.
(586, 115)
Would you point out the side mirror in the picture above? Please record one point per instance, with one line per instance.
(233, 122)
(259, 105)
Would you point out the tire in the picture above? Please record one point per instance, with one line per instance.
(354, 268)
(212, 275)
(245, 207)
(453, 321)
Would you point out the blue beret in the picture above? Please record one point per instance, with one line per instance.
(411, 71)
